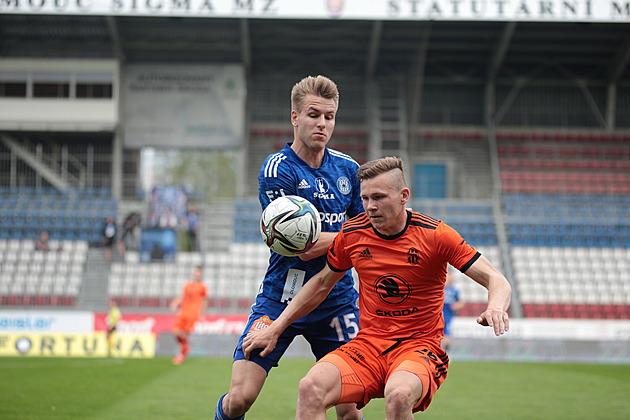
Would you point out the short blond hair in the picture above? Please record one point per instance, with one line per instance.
(374, 168)
(320, 86)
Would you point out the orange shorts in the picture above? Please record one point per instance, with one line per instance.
(184, 323)
(365, 369)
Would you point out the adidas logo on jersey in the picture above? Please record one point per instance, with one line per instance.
(303, 185)
(365, 253)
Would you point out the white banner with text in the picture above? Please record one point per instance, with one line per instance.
(453, 10)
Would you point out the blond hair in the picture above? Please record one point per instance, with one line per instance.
(320, 86)
(374, 168)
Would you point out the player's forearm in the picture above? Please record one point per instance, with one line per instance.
(308, 298)
(499, 293)
(321, 246)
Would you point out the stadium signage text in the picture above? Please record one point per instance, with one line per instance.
(490, 10)
(76, 345)
(46, 321)
(228, 324)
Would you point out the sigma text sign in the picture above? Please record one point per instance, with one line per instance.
(488, 10)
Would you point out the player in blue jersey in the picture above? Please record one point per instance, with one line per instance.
(327, 178)
(452, 304)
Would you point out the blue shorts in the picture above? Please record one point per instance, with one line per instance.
(324, 329)
(447, 326)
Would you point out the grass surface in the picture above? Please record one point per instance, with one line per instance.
(154, 389)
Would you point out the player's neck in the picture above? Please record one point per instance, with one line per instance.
(313, 158)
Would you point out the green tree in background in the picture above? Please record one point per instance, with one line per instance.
(207, 175)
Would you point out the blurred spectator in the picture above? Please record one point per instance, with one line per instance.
(42, 243)
(193, 225)
(153, 220)
(452, 304)
(109, 236)
(168, 220)
(128, 237)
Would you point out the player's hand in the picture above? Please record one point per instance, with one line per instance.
(264, 339)
(496, 319)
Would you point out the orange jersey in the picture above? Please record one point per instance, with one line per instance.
(194, 294)
(401, 277)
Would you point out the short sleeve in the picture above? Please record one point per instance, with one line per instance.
(337, 257)
(453, 247)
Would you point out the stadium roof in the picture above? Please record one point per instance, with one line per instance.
(461, 50)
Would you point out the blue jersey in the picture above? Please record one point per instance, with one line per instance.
(334, 190)
(451, 296)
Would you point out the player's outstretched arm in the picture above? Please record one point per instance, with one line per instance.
(320, 247)
(308, 298)
(499, 295)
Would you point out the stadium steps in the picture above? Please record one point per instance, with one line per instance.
(217, 225)
(93, 293)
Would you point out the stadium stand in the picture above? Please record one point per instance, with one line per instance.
(74, 215)
(232, 277)
(547, 163)
(37, 278)
(564, 204)
(573, 282)
(567, 206)
(473, 219)
(558, 223)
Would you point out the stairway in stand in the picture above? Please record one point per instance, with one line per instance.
(93, 293)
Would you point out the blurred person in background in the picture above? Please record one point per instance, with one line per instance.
(193, 225)
(111, 322)
(452, 304)
(42, 243)
(168, 220)
(110, 231)
(128, 238)
(192, 305)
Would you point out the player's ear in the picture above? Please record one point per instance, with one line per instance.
(294, 116)
(405, 195)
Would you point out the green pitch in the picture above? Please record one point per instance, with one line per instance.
(125, 389)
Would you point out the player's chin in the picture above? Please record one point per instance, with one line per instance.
(377, 221)
(320, 138)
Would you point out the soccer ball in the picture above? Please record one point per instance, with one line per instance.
(290, 225)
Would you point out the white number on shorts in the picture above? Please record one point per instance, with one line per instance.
(351, 326)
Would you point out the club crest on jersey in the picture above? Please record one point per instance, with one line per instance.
(343, 185)
(322, 187)
(261, 323)
(413, 256)
(392, 289)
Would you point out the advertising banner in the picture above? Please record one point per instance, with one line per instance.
(229, 324)
(46, 321)
(549, 329)
(465, 10)
(76, 345)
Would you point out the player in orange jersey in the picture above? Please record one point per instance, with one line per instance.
(401, 257)
(192, 306)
